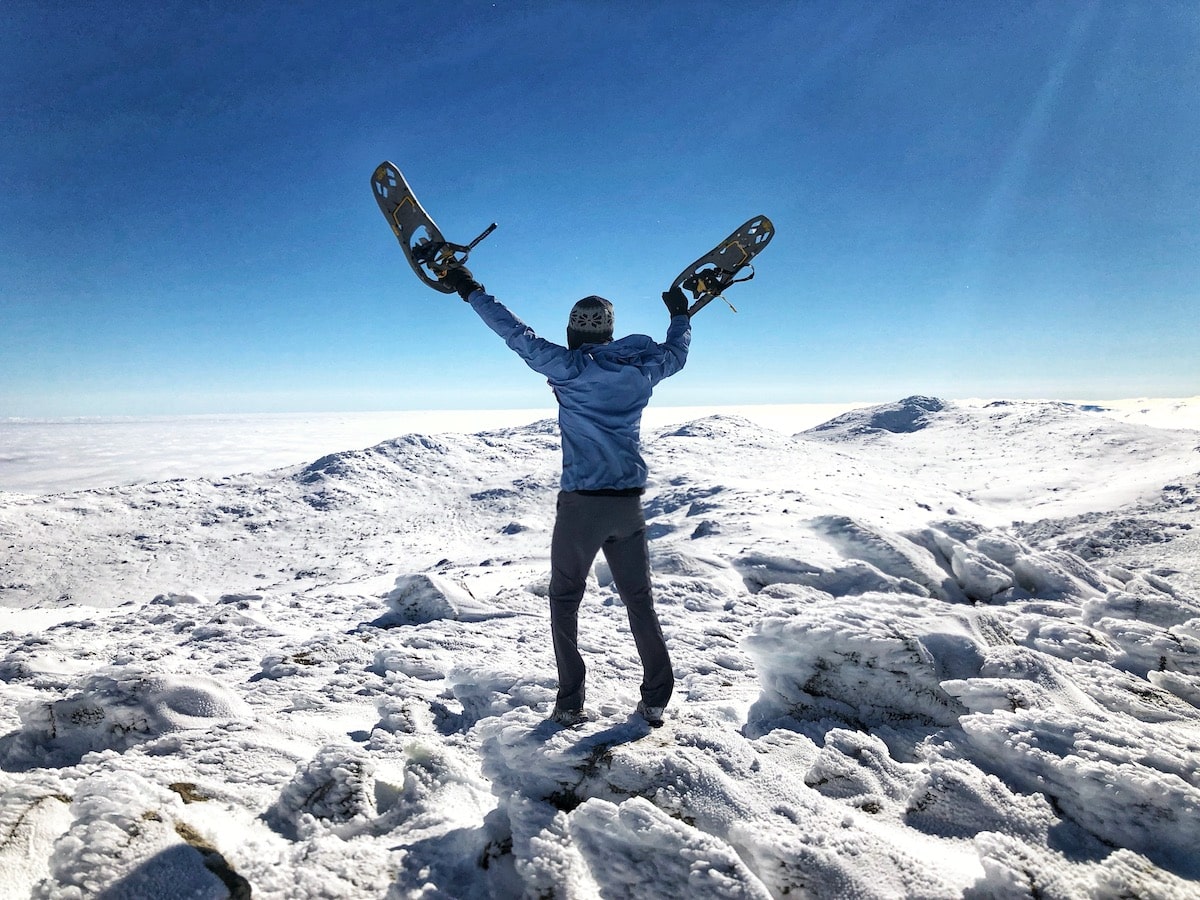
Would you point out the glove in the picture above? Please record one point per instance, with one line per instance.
(460, 279)
(676, 301)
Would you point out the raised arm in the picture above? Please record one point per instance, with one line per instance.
(674, 350)
(551, 360)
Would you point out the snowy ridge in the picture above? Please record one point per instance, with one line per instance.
(909, 415)
(896, 675)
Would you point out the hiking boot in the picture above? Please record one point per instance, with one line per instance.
(568, 718)
(652, 714)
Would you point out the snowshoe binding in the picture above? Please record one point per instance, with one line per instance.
(426, 250)
(709, 276)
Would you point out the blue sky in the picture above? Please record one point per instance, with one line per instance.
(971, 199)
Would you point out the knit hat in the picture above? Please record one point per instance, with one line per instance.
(591, 322)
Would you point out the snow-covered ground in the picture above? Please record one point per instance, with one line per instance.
(47, 456)
(926, 649)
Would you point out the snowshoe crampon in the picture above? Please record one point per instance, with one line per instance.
(709, 276)
(426, 250)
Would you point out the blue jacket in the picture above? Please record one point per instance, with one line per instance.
(601, 389)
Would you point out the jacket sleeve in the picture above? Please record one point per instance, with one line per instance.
(552, 360)
(673, 352)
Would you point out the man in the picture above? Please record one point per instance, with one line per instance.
(602, 387)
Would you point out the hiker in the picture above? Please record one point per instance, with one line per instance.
(602, 386)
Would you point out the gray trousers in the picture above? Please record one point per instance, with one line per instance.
(585, 525)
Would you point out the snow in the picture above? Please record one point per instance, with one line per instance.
(45, 456)
(926, 649)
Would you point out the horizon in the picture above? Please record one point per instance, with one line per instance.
(1000, 203)
(653, 408)
(48, 456)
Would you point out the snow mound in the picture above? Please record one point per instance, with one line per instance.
(336, 787)
(484, 691)
(956, 562)
(116, 708)
(903, 417)
(952, 798)
(643, 852)
(610, 810)
(871, 662)
(119, 846)
(427, 597)
(996, 568)
(414, 452)
(1096, 768)
(1078, 686)
(734, 430)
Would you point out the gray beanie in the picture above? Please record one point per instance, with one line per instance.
(591, 322)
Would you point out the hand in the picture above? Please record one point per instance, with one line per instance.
(676, 301)
(460, 279)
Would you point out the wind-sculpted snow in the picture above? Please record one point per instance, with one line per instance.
(115, 708)
(625, 842)
(895, 675)
(337, 786)
(425, 597)
(871, 660)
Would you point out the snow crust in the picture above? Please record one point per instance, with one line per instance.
(927, 649)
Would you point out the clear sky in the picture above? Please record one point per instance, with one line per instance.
(971, 199)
